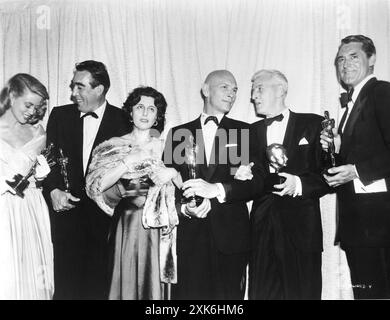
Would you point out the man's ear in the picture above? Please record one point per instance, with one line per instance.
(99, 89)
(205, 90)
(372, 60)
(281, 92)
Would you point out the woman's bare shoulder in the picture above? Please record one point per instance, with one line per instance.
(120, 140)
(157, 144)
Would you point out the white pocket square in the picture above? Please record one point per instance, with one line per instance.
(303, 141)
(229, 145)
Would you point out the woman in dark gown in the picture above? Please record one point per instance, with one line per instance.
(128, 180)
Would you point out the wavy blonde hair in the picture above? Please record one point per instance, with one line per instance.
(17, 86)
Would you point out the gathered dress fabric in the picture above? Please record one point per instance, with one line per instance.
(143, 234)
(26, 252)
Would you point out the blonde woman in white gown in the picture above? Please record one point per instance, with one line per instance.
(26, 254)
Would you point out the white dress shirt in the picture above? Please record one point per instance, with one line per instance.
(356, 91)
(277, 130)
(90, 128)
(209, 130)
(275, 134)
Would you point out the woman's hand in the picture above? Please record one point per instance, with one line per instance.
(42, 169)
(163, 175)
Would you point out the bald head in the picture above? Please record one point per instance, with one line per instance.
(218, 74)
(219, 92)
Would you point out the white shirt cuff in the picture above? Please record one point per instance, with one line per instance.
(222, 194)
(357, 173)
(298, 186)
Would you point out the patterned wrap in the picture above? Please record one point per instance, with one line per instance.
(159, 210)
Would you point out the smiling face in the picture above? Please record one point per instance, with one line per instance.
(220, 90)
(265, 95)
(352, 64)
(144, 113)
(87, 98)
(24, 107)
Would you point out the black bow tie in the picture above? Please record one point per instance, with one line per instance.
(92, 114)
(345, 97)
(269, 121)
(211, 118)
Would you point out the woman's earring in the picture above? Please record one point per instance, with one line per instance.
(155, 124)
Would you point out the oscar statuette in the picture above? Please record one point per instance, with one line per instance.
(63, 163)
(20, 183)
(191, 152)
(327, 125)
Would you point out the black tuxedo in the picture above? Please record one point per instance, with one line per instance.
(364, 219)
(288, 229)
(79, 235)
(212, 252)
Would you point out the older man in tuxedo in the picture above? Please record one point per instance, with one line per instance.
(285, 221)
(362, 177)
(213, 237)
(80, 228)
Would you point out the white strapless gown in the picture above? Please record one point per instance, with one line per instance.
(26, 253)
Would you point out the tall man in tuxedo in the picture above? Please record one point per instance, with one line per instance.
(80, 228)
(286, 227)
(213, 237)
(362, 179)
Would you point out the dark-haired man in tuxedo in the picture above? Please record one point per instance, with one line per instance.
(80, 228)
(362, 178)
(213, 237)
(285, 223)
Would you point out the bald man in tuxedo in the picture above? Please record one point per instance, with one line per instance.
(212, 237)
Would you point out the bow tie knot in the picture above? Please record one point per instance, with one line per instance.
(212, 118)
(92, 114)
(346, 97)
(269, 121)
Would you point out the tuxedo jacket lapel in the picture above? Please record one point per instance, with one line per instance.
(354, 116)
(78, 139)
(103, 128)
(196, 131)
(262, 141)
(290, 135)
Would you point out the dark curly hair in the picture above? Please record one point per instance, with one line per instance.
(98, 73)
(18, 85)
(159, 101)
